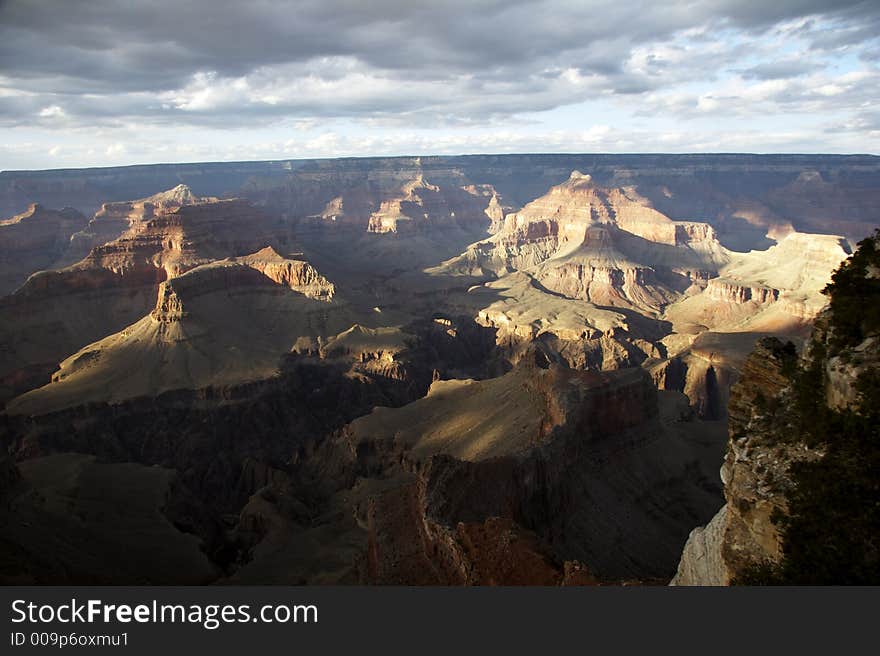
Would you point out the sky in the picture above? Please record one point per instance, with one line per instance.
(115, 82)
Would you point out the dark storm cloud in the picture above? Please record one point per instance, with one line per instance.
(167, 60)
(141, 44)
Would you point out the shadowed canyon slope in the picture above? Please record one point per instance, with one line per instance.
(505, 369)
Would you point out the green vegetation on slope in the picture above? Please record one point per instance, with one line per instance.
(831, 534)
(854, 293)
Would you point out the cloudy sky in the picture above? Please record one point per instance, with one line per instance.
(109, 82)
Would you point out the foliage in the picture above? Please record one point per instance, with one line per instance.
(855, 296)
(831, 534)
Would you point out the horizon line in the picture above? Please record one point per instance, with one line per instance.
(439, 156)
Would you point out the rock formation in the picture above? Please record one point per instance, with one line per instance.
(57, 312)
(414, 205)
(760, 293)
(190, 339)
(601, 230)
(34, 240)
(755, 480)
(114, 219)
(604, 280)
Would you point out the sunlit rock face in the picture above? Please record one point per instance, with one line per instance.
(114, 219)
(606, 246)
(58, 311)
(755, 479)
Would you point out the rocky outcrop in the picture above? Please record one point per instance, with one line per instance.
(701, 561)
(604, 245)
(844, 369)
(406, 548)
(629, 286)
(580, 201)
(529, 448)
(733, 291)
(578, 333)
(773, 292)
(754, 473)
(186, 237)
(496, 212)
(298, 275)
(56, 313)
(190, 339)
(34, 240)
(408, 203)
(705, 378)
(114, 219)
(582, 214)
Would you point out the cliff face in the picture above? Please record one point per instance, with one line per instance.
(799, 427)
(403, 199)
(57, 312)
(567, 209)
(731, 291)
(297, 275)
(34, 240)
(541, 466)
(717, 321)
(420, 205)
(754, 474)
(582, 335)
(114, 219)
(582, 222)
(187, 236)
(191, 340)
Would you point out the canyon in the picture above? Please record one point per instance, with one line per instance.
(463, 370)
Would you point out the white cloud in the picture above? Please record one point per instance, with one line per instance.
(53, 111)
(115, 149)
